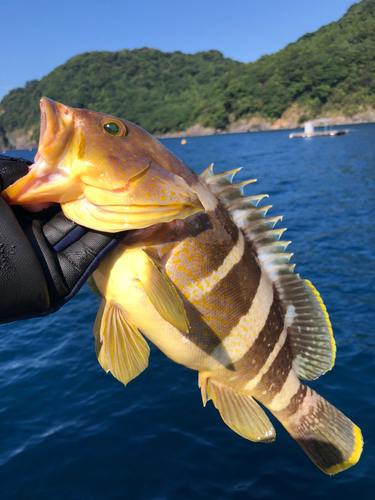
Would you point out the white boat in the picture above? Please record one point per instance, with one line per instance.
(310, 132)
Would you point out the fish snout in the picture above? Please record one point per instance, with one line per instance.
(56, 130)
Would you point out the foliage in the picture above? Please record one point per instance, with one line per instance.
(331, 69)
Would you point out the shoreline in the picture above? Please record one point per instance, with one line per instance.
(19, 140)
(288, 121)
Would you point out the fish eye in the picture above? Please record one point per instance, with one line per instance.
(111, 128)
(114, 128)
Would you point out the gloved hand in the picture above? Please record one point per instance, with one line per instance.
(45, 258)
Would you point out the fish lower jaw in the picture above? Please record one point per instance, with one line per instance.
(36, 207)
(42, 186)
(115, 218)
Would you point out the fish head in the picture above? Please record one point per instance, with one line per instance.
(107, 173)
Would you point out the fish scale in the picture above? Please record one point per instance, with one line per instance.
(202, 274)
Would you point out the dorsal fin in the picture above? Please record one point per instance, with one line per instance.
(218, 181)
(306, 317)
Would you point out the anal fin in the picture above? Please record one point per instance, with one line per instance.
(241, 413)
(202, 384)
(120, 347)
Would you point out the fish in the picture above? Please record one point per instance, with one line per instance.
(202, 273)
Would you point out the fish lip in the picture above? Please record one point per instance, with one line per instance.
(43, 119)
(48, 121)
(43, 103)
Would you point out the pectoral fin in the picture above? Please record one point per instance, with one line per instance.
(163, 294)
(241, 413)
(120, 347)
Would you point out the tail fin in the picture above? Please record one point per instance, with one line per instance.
(326, 435)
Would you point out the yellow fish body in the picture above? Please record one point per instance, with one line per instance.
(205, 279)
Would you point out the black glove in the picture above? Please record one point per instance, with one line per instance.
(44, 258)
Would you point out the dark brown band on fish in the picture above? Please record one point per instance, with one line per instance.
(211, 245)
(295, 403)
(255, 358)
(202, 335)
(216, 313)
(203, 250)
(220, 215)
(274, 379)
(231, 298)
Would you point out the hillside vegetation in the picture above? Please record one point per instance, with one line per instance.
(331, 70)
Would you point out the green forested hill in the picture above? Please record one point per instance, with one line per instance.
(333, 68)
(159, 91)
(329, 70)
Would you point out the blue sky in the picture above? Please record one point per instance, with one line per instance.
(36, 36)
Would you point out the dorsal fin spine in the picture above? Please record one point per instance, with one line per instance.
(273, 247)
(255, 228)
(208, 172)
(234, 188)
(245, 202)
(242, 217)
(271, 236)
(269, 262)
(280, 270)
(222, 179)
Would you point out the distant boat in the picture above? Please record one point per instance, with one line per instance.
(309, 129)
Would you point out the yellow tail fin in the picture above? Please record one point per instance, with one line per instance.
(332, 441)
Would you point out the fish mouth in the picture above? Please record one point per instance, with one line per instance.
(42, 187)
(46, 181)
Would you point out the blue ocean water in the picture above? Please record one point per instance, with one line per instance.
(69, 431)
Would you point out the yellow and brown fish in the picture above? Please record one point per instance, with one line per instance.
(202, 274)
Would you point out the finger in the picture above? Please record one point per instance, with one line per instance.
(58, 228)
